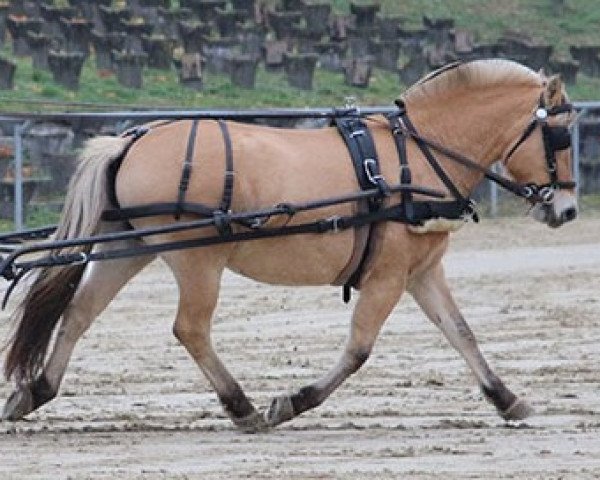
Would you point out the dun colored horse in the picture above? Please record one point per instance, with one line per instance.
(486, 110)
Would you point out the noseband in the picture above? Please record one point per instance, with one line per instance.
(555, 139)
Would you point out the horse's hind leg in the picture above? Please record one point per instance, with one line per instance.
(99, 285)
(376, 301)
(431, 292)
(199, 275)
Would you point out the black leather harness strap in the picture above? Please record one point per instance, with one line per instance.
(186, 171)
(417, 212)
(221, 218)
(229, 173)
(440, 172)
(362, 150)
(364, 158)
(405, 173)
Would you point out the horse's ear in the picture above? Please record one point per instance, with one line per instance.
(554, 91)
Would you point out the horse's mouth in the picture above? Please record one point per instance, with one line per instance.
(548, 214)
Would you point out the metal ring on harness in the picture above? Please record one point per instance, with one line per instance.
(83, 259)
(546, 194)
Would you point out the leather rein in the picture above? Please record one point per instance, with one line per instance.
(555, 138)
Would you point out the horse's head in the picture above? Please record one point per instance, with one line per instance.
(541, 157)
(498, 109)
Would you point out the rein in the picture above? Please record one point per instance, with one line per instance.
(554, 138)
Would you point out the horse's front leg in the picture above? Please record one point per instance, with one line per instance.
(431, 292)
(376, 301)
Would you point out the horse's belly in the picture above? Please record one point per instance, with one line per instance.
(315, 259)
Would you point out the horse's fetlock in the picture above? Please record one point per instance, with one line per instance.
(307, 397)
(360, 357)
(236, 404)
(42, 391)
(497, 393)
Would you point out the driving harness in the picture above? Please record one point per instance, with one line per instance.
(370, 209)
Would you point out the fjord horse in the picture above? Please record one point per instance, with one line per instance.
(479, 109)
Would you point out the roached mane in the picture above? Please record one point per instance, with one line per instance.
(473, 74)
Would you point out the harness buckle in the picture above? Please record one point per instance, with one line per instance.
(83, 259)
(356, 133)
(546, 194)
(334, 221)
(370, 164)
(471, 211)
(529, 191)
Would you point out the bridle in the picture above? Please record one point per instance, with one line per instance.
(555, 139)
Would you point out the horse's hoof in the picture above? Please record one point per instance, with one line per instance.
(519, 410)
(253, 423)
(281, 410)
(19, 404)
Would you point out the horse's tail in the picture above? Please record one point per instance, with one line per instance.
(53, 288)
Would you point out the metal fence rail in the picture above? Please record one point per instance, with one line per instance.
(124, 119)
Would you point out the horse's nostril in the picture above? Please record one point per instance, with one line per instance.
(569, 214)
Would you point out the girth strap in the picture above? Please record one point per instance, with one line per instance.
(186, 171)
(229, 173)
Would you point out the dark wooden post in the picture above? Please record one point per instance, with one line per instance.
(52, 15)
(7, 74)
(192, 35)
(130, 66)
(365, 14)
(358, 72)
(77, 33)
(112, 18)
(4, 9)
(66, 67)
(159, 49)
(243, 70)
(316, 15)
(39, 44)
(190, 70)
(18, 27)
(300, 69)
(588, 57)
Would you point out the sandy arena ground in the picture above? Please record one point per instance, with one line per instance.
(133, 405)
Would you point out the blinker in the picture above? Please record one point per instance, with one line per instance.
(560, 137)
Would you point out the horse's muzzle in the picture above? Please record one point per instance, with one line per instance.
(562, 209)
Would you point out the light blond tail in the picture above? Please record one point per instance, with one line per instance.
(53, 288)
(87, 196)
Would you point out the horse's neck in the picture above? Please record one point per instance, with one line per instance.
(479, 126)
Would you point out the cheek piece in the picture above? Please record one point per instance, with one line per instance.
(555, 138)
